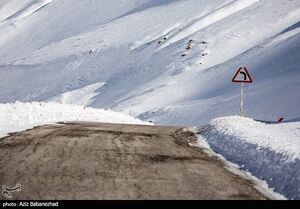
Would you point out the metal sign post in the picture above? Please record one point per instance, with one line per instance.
(242, 101)
(242, 76)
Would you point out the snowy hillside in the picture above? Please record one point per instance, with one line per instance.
(105, 54)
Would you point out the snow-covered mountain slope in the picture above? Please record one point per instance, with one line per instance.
(106, 54)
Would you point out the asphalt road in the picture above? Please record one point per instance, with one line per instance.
(110, 161)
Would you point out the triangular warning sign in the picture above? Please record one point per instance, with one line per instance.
(242, 76)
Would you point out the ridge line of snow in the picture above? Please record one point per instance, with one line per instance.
(258, 184)
(15, 117)
(83, 96)
(26, 11)
(270, 151)
(209, 19)
(283, 36)
(265, 135)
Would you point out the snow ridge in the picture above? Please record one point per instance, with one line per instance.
(21, 116)
(268, 151)
(211, 18)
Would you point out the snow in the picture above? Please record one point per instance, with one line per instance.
(47, 53)
(21, 116)
(82, 97)
(26, 9)
(105, 54)
(283, 138)
(268, 151)
(260, 185)
(219, 14)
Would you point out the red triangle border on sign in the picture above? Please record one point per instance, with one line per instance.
(237, 81)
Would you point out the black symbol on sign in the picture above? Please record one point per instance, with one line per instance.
(245, 75)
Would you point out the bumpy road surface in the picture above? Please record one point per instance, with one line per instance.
(111, 161)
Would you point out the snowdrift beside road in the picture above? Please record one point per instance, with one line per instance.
(21, 116)
(271, 152)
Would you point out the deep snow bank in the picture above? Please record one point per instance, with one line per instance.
(271, 152)
(21, 116)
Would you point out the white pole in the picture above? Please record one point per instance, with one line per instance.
(242, 101)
